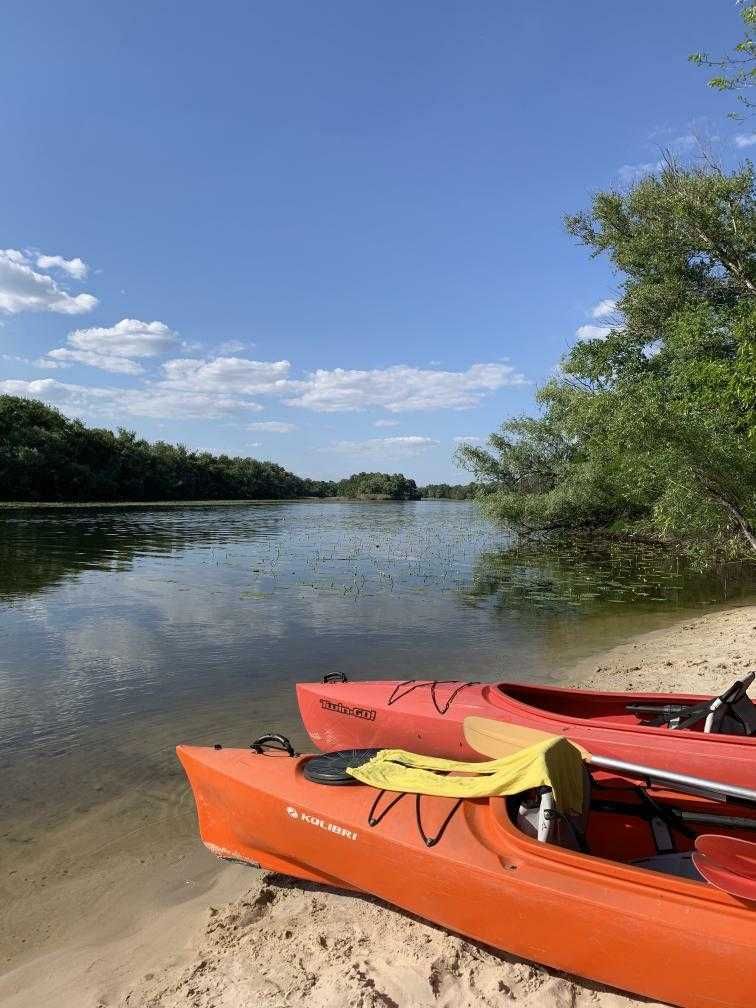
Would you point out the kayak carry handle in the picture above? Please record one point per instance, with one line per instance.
(332, 677)
(275, 742)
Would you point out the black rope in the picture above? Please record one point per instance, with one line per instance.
(372, 820)
(413, 684)
(429, 841)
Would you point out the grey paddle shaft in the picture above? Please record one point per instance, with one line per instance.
(698, 785)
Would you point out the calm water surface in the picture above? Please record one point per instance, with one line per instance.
(125, 630)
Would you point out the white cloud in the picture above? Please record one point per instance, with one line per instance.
(23, 289)
(392, 447)
(385, 423)
(273, 426)
(589, 332)
(232, 375)
(233, 346)
(62, 356)
(745, 140)
(114, 403)
(630, 173)
(75, 268)
(606, 307)
(127, 338)
(46, 364)
(230, 386)
(110, 349)
(400, 388)
(468, 439)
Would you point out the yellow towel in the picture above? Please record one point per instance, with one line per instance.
(554, 763)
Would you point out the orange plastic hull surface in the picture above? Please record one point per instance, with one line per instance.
(428, 718)
(670, 939)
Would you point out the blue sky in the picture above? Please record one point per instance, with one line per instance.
(325, 234)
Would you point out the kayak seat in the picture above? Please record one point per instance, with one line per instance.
(731, 713)
(736, 719)
(536, 817)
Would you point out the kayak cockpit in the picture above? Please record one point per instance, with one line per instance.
(731, 713)
(625, 822)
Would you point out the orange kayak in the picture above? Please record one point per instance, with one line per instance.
(624, 914)
(425, 716)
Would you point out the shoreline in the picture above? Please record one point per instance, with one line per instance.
(225, 502)
(172, 926)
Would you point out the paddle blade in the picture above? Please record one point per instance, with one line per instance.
(497, 738)
(742, 886)
(732, 853)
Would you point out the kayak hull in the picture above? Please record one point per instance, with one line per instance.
(666, 938)
(427, 717)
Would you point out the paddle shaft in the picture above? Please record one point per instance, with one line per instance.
(497, 738)
(697, 784)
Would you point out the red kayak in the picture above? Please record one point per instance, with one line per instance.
(666, 730)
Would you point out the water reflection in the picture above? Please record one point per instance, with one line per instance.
(124, 630)
(587, 579)
(39, 549)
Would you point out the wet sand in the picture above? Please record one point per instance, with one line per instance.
(151, 919)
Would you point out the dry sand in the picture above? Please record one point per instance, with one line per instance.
(226, 936)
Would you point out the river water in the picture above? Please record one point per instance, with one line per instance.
(126, 630)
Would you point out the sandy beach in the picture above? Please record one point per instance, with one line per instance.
(227, 936)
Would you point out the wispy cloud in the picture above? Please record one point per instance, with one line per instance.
(630, 173)
(389, 447)
(592, 332)
(228, 375)
(233, 346)
(604, 308)
(24, 289)
(272, 426)
(63, 356)
(745, 140)
(400, 388)
(75, 268)
(116, 403)
(385, 423)
(470, 439)
(228, 382)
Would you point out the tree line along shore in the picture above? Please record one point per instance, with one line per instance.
(46, 457)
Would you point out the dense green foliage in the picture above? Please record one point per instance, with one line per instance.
(449, 491)
(46, 457)
(377, 486)
(651, 431)
(736, 70)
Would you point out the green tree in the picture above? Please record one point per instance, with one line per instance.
(736, 70)
(46, 457)
(378, 486)
(651, 431)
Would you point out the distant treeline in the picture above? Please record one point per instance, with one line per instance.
(371, 486)
(44, 456)
(450, 491)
